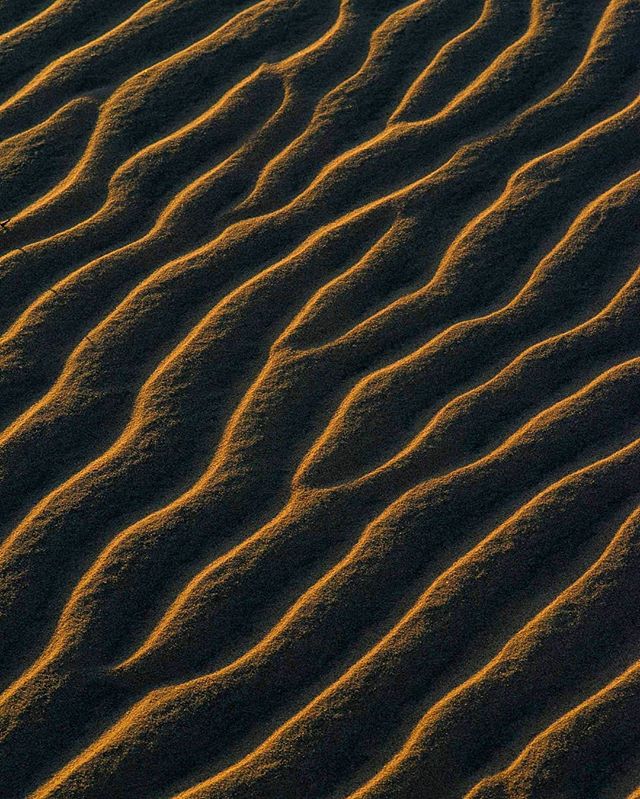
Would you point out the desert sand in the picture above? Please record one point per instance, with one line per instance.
(320, 399)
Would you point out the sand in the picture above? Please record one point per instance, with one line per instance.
(320, 399)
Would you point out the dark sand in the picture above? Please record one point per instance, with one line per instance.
(320, 399)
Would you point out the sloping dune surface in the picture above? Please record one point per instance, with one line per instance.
(320, 399)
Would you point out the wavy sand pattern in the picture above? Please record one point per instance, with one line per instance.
(320, 399)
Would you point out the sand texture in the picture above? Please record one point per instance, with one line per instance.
(320, 399)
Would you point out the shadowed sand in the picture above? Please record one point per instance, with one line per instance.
(320, 399)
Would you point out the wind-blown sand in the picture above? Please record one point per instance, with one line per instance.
(320, 399)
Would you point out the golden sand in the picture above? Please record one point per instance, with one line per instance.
(320, 386)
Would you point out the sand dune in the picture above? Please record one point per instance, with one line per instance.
(320, 399)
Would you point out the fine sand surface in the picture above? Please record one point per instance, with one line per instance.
(320, 399)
